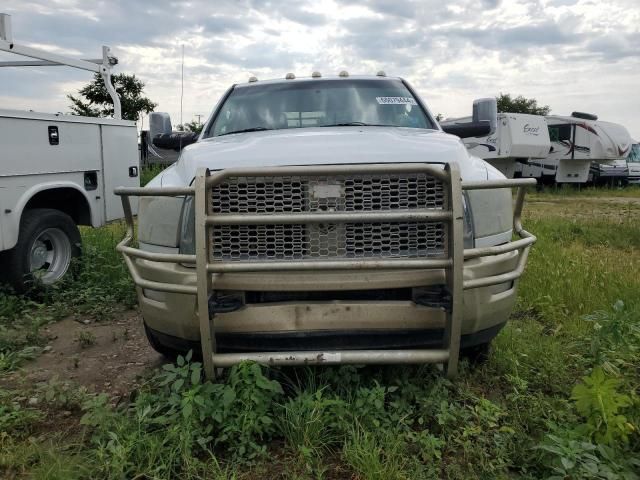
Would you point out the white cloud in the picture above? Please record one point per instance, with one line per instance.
(569, 54)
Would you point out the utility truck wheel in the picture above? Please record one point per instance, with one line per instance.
(47, 242)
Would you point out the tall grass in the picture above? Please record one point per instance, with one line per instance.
(519, 415)
(579, 190)
(149, 172)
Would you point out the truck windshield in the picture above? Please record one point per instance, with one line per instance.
(319, 103)
(634, 155)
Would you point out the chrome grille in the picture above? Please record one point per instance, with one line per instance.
(340, 193)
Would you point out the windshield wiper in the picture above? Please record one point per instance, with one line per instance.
(245, 130)
(357, 124)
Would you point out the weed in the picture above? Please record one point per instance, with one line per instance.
(614, 339)
(573, 457)
(85, 339)
(178, 417)
(63, 395)
(11, 360)
(40, 460)
(477, 433)
(149, 172)
(601, 404)
(247, 421)
(14, 416)
(527, 353)
(308, 423)
(381, 456)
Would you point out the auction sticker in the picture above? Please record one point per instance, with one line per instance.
(396, 101)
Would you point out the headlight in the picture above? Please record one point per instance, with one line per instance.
(492, 216)
(468, 232)
(187, 240)
(158, 219)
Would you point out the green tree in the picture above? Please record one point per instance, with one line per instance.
(192, 126)
(520, 104)
(95, 101)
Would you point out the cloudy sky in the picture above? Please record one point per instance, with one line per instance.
(570, 54)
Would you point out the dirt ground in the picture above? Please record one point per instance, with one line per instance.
(108, 356)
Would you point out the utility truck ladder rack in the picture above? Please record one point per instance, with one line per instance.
(47, 59)
(210, 262)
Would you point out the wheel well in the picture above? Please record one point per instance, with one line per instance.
(67, 200)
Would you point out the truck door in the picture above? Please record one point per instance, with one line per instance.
(120, 165)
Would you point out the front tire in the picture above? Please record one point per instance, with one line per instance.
(477, 354)
(171, 347)
(47, 243)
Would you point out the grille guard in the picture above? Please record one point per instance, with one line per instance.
(449, 174)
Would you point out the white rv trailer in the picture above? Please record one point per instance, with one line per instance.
(517, 138)
(577, 141)
(57, 172)
(633, 164)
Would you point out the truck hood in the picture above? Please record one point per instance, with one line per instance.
(324, 146)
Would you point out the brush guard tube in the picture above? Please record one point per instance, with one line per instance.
(452, 263)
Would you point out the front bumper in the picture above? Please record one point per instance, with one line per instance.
(176, 314)
(453, 290)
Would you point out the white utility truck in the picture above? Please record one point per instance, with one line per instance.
(326, 220)
(57, 172)
(517, 139)
(577, 142)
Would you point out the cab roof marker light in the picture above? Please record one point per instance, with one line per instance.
(343, 74)
(290, 76)
(316, 75)
(253, 79)
(381, 73)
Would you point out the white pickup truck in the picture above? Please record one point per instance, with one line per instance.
(57, 172)
(326, 220)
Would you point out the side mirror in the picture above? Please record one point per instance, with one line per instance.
(159, 123)
(163, 136)
(5, 28)
(486, 110)
(468, 129)
(175, 141)
(483, 122)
